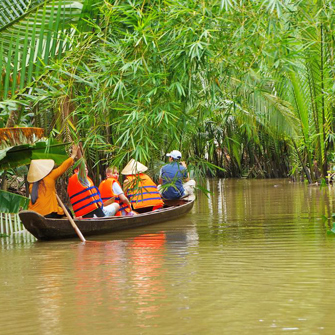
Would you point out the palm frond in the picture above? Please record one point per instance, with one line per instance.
(11, 10)
(32, 38)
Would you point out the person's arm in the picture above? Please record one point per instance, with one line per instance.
(62, 168)
(125, 200)
(185, 172)
(66, 164)
(118, 191)
(160, 180)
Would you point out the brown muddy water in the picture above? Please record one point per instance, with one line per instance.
(253, 258)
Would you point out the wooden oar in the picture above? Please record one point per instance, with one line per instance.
(75, 227)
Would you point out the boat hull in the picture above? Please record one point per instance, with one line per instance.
(51, 229)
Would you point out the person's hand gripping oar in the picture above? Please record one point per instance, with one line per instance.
(75, 227)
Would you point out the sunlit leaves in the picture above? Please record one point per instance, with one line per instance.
(228, 4)
(238, 82)
(276, 5)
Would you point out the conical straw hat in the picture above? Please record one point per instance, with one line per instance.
(133, 167)
(39, 168)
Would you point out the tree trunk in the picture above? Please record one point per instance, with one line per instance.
(4, 181)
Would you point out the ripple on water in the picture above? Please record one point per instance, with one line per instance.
(253, 258)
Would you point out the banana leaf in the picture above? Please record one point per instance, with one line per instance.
(15, 156)
(20, 155)
(12, 203)
(19, 135)
(50, 150)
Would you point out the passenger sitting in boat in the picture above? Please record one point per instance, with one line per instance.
(140, 189)
(85, 197)
(42, 178)
(174, 179)
(110, 187)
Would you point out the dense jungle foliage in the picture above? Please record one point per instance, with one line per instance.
(247, 86)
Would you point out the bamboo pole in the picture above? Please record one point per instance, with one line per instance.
(71, 220)
(17, 221)
(6, 220)
(11, 230)
(1, 223)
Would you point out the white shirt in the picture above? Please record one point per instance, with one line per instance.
(117, 190)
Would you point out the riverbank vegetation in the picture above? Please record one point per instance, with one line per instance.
(246, 86)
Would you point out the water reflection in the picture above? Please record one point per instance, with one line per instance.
(50, 294)
(252, 206)
(147, 274)
(126, 272)
(17, 240)
(253, 258)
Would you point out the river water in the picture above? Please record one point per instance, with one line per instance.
(252, 258)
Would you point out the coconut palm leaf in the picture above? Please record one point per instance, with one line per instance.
(32, 38)
(11, 10)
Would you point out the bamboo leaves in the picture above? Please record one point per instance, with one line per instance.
(240, 82)
(228, 4)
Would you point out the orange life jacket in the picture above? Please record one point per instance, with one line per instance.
(83, 199)
(142, 191)
(106, 192)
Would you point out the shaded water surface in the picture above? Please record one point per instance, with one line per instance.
(253, 258)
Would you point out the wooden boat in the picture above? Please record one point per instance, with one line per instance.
(51, 229)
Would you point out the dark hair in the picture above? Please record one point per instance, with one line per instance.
(34, 192)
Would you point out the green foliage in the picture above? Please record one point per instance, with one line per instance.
(331, 219)
(244, 85)
(33, 33)
(12, 203)
(20, 155)
(12, 10)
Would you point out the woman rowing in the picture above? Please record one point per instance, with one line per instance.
(42, 178)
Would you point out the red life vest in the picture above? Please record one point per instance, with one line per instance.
(83, 199)
(106, 191)
(142, 191)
